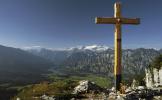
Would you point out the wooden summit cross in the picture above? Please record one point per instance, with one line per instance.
(118, 20)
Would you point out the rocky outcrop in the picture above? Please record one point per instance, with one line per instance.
(90, 91)
(45, 97)
(138, 94)
(86, 86)
(153, 78)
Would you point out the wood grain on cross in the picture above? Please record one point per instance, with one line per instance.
(118, 20)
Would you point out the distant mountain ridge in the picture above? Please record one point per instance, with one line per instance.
(94, 47)
(88, 47)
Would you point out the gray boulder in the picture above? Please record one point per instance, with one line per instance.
(87, 86)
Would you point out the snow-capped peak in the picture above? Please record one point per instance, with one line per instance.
(90, 47)
(96, 47)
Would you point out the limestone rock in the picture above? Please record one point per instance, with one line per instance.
(129, 89)
(112, 96)
(87, 86)
(134, 84)
(45, 97)
(140, 87)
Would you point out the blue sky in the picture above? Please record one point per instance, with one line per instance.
(69, 23)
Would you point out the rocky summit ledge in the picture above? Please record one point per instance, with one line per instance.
(93, 91)
(87, 90)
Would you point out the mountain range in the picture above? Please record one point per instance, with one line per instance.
(98, 59)
(30, 65)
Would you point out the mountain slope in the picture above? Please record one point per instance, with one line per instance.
(19, 65)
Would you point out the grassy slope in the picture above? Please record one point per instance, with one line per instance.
(99, 80)
(61, 86)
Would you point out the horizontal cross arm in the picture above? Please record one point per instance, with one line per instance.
(134, 21)
(100, 20)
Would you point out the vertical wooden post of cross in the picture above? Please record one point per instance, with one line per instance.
(118, 46)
